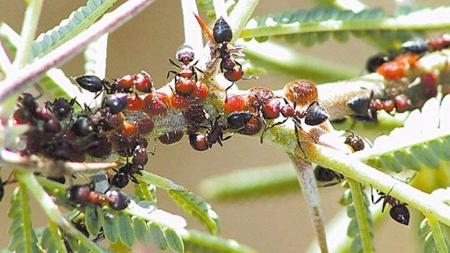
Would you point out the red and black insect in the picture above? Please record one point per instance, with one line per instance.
(186, 78)
(399, 211)
(84, 195)
(327, 176)
(214, 134)
(354, 141)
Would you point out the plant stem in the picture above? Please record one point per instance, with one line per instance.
(29, 28)
(312, 198)
(361, 215)
(288, 61)
(438, 235)
(5, 63)
(353, 168)
(192, 32)
(241, 14)
(13, 84)
(51, 209)
(414, 22)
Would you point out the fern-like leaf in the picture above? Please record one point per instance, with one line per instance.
(319, 24)
(429, 245)
(429, 147)
(23, 237)
(197, 207)
(54, 82)
(354, 226)
(78, 21)
(188, 201)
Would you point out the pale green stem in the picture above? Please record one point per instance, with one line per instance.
(13, 84)
(5, 63)
(192, 32)
(437, 233)
(361, 215)
(240, 15)
(51, 209)
(288, 61)
(312, 198)
(28, 33)
(353, 168)
(388, 24)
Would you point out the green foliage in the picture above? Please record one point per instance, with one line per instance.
(425, 232)
(356, 224)
(188, 201)
(429, 149)
(23, 238)
(78, 21)
(317, 25)
(173, 240)
(197, 207)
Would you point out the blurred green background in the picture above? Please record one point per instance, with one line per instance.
(269, 224)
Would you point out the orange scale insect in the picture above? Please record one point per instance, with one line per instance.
(134, 102)
(392, 70)
(301, 92)
(235, 103)
(156, 104)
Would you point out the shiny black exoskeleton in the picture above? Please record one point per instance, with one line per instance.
(115, 103)
(237, 120)
(415, 46)
(93, 83)
(83, 126)
(399, 212)
(214, 134)
(222, 31)
(327, 176)
(361, 106)
(315, 114)
(375, 61)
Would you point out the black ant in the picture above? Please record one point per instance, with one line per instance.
(354, 141)
(61, 107)
(399, 212)
(214, 134)
(323, 174)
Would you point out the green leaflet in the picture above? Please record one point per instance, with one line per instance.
(93, 219)
(425, 232)
(173, 240)
(51, 239)
(23, 238)
(158, 181)
(78, 21)
(157, 236)
(207, 7)
(198, 207)
(110, 228)
(141, 230)
(125, 229)
(197, 242)
(316, 25)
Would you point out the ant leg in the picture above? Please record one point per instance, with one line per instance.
(298, 140)
(226, 91)
(133, 179)
(266, 128)
(199, 70)
(171, 72)
(174, 63)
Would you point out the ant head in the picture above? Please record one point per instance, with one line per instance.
(185, 54)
